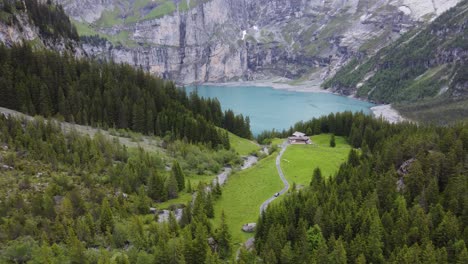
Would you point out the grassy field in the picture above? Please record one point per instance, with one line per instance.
(299, 161)
(277, 141)
(243, 194)
(242, 146)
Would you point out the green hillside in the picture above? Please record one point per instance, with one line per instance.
(242, 146)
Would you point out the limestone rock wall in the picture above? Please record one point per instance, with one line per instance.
(229, 40)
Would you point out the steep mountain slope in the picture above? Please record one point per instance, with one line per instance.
(224, 40)
(428, 66)
(40, 25)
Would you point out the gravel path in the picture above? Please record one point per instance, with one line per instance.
(281, 174)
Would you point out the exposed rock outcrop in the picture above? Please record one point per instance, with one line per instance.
(228, 40)
(249, 228)
(17, 28)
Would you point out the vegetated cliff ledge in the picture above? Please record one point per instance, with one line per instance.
(40, 25)
(230, 40)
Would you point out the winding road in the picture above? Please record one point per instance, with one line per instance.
(281, 174)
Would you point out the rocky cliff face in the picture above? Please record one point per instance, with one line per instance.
(228, 40)
(18, 28)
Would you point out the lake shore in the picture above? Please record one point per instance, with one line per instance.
(312, 86)
(387, 112)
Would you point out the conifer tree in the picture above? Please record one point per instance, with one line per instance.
(173, 225)
(217, 191)
(156, 188)
(212, 258)
(338, 253)
(143, 202)
(138, 118)
(332, 141)
(45, 102)
(317, 179)
(189, 186)
(179, 175)
(175, 251)
(209, 209)
(463, 256)
(287, 255)
(223, 237)
(77, 249)
(171, 186)
(106, 218)
(200, 245)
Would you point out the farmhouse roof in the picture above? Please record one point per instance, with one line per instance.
(298, 134)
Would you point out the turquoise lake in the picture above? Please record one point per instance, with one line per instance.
(270, 108)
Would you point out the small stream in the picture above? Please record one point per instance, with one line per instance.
(249, 161)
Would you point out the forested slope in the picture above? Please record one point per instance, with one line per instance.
(109, 95)
(427, 65)
(403, 198)
(68, 198)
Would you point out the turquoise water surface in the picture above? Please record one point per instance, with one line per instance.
(269, 108)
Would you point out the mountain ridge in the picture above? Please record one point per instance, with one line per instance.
(231, 40)
(426, 67)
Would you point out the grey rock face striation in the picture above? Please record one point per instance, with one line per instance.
(22, 30)
(230, 40)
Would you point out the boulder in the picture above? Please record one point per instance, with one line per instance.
(249, 227)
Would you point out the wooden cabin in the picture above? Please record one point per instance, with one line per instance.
(299, 138)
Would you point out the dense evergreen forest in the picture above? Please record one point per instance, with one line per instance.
(401, 198)
(110, 95)
(67, 198)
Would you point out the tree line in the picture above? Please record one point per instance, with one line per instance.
(110, 95)
(401, 197)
